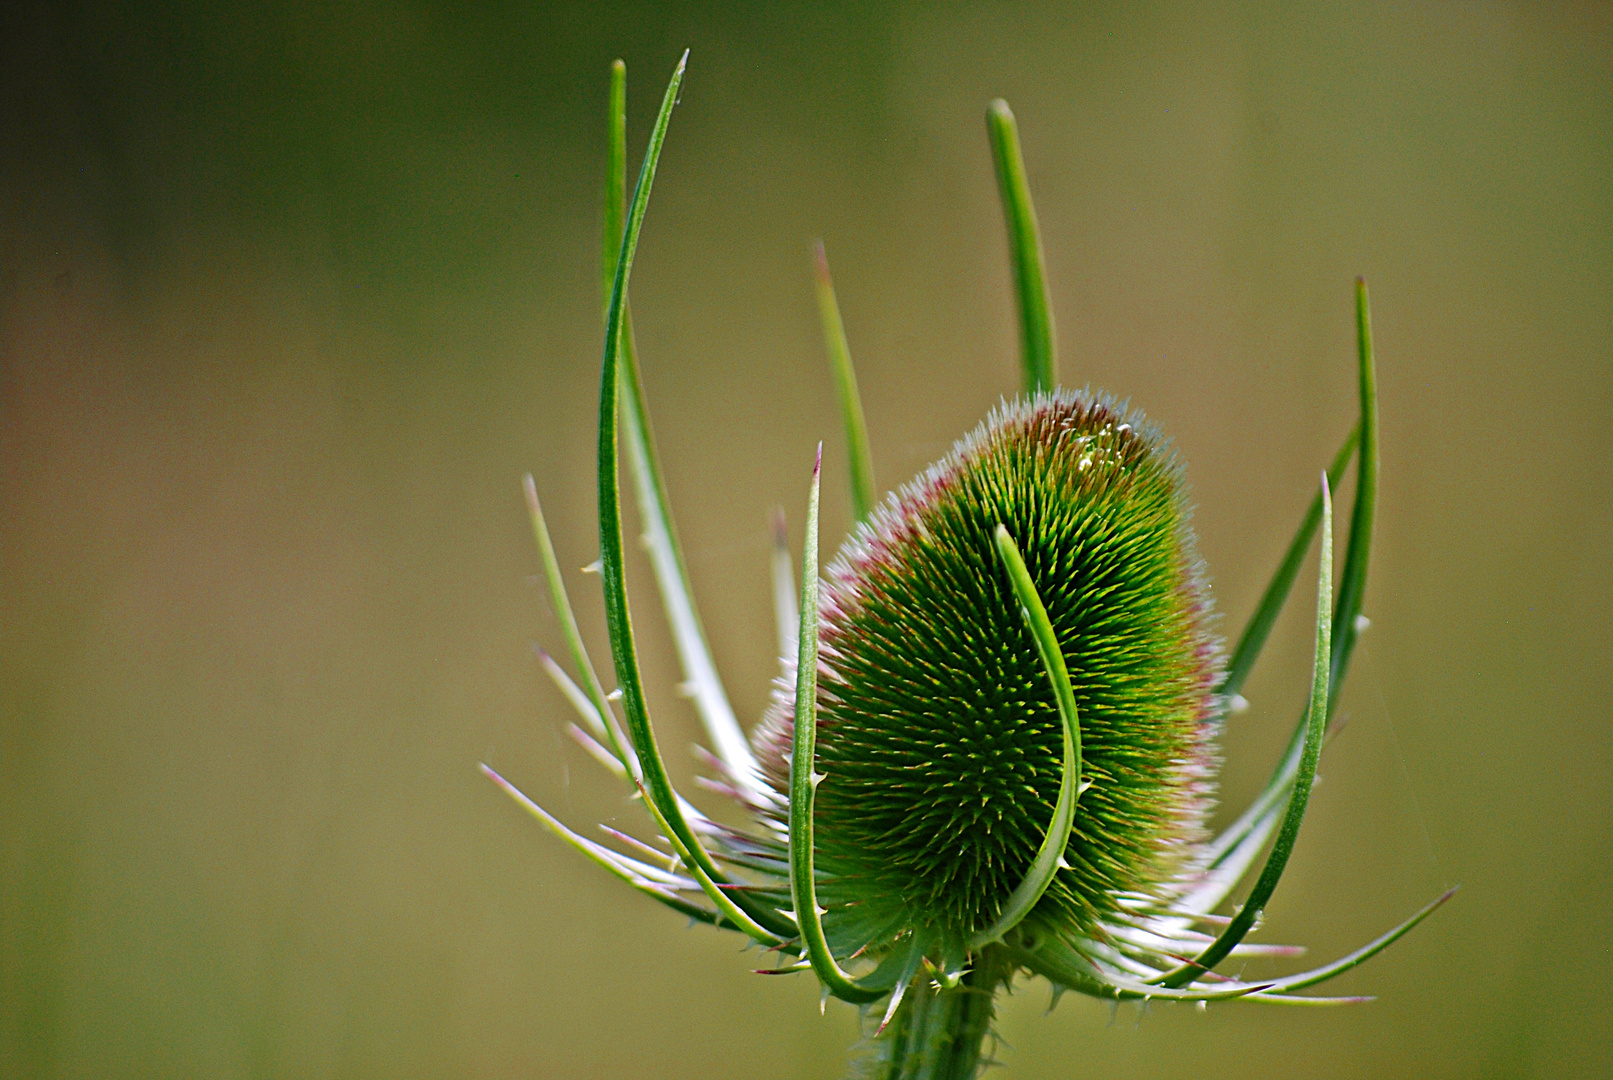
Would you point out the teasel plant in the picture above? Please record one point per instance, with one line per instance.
(990, 754)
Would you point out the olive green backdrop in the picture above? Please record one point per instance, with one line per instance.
(291, 298)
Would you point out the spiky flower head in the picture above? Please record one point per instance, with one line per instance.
(998, 754)
(938, 734)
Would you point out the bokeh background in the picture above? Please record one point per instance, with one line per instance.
(291, 296)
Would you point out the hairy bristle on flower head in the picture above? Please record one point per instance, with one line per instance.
(939, 734)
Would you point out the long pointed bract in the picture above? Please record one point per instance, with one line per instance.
(656, 783)
(1365, 952)
(1050, 856)
(1040, 362)
(1277, 861)
(1258, 629)
(560, 604)
(859, 463)
(660, 534)
(729, 909)
(677, 599)
(1275, 989)
(1352, 586)
(1060, 964)
(1353, 579)
(1234, 852)
(803, 780)
(600, 855)
(615, 182)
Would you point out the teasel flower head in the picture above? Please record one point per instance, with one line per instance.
(939, 736)
(991, 750)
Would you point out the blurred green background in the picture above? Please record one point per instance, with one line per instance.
(291, 296)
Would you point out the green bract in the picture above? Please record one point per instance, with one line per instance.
(991, 754)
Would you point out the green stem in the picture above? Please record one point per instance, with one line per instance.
(939, 1034)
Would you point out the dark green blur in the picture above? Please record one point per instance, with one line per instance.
(291, 298)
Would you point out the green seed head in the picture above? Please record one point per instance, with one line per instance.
(939, 736)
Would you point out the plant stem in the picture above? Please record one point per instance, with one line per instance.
(938, 1033)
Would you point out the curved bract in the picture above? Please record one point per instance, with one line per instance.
(997, 757)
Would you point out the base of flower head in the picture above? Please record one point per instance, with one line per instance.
(940, 1032)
